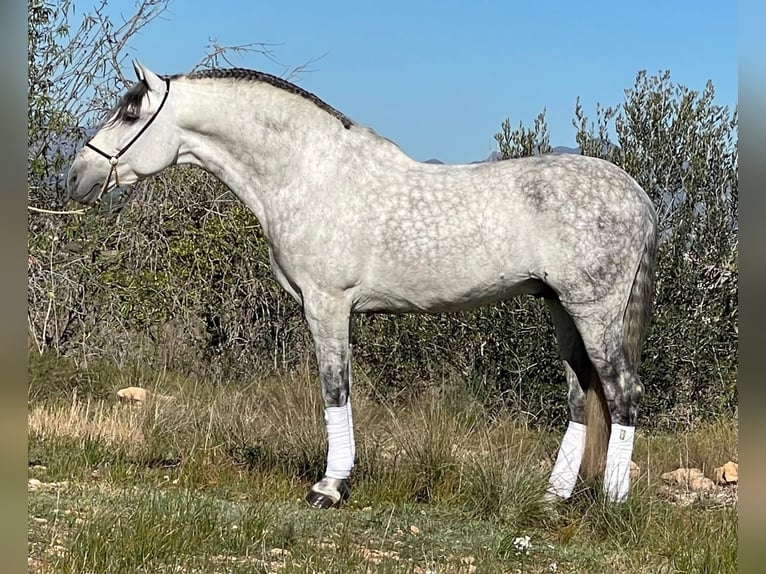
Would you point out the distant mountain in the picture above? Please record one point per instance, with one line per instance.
(494, 156)
(561, 149)
(433, 160)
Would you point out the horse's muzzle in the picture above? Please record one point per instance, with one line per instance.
(83, 185)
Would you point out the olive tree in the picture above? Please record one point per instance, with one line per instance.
(681, 147)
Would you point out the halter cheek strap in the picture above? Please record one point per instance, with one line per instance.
(113, 159)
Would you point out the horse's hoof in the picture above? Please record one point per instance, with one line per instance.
(320, 500)
(554, 503)
(551, 499)
(327, 493)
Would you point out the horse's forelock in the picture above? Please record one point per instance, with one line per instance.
(129, 106)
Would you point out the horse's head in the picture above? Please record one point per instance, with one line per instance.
(136, 141)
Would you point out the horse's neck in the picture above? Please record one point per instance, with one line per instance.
(257, 140)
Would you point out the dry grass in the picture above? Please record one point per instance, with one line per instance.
(85, 419)
(705, 446)
(212, 480)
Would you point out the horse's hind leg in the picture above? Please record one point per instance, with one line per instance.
(613, 332)
(329, 322)
(622, 393)
(578, 373)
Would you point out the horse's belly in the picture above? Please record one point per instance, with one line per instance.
(444, 296)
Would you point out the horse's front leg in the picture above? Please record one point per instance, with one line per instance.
(328, 319)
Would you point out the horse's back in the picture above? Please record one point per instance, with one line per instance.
(477, 233)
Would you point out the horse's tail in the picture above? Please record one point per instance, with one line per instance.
(634, 326)
(597, 427)
(636, 318)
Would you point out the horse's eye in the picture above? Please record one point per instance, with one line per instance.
(129, 114)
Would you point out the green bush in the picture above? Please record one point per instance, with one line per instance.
(682, 149)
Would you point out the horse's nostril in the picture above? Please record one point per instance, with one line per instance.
(72, 181)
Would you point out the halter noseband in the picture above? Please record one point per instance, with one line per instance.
(114, 158)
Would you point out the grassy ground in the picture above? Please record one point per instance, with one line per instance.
(212, 480)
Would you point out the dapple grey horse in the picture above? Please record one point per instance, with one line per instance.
(354, 225)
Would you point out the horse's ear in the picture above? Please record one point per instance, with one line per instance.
(152, 80)
(139, 70)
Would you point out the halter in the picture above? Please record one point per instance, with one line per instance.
(114, 158)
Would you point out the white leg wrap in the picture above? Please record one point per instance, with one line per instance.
(618, 456)
(340, 441)
(567, 465)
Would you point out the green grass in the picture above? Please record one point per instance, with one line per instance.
(213, 481)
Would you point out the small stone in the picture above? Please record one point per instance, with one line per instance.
(133, 395)
(691, 478)
(727, 474)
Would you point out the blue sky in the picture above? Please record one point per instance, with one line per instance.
(438, 78)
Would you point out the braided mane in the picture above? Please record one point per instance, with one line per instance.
(256, 76)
